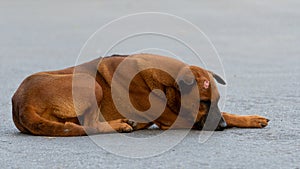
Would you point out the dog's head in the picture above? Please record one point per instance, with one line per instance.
(195, 80)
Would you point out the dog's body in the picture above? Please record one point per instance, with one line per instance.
(81, 100)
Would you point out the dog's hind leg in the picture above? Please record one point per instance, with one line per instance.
(38, 125)
(245, 121)
(16, 119)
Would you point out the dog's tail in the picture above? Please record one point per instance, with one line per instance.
(28, 121)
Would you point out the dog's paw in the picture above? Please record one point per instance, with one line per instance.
(132, 123)
(125, 128)
(123, 125)
(256, 121)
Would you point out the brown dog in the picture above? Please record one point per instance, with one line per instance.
(100, 96)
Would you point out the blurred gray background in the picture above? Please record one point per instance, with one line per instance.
(257, 40)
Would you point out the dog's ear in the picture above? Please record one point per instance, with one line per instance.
(185, 80)
(218, 78)
(186, 84)
(185, 76)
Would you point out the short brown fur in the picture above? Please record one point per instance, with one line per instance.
(44, 103)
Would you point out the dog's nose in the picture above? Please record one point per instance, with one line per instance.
(222, 123)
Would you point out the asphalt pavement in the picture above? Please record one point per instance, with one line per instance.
(257, 41)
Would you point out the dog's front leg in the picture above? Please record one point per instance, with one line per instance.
(245, 121)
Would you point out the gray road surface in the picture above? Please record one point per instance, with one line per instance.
(258, 42)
